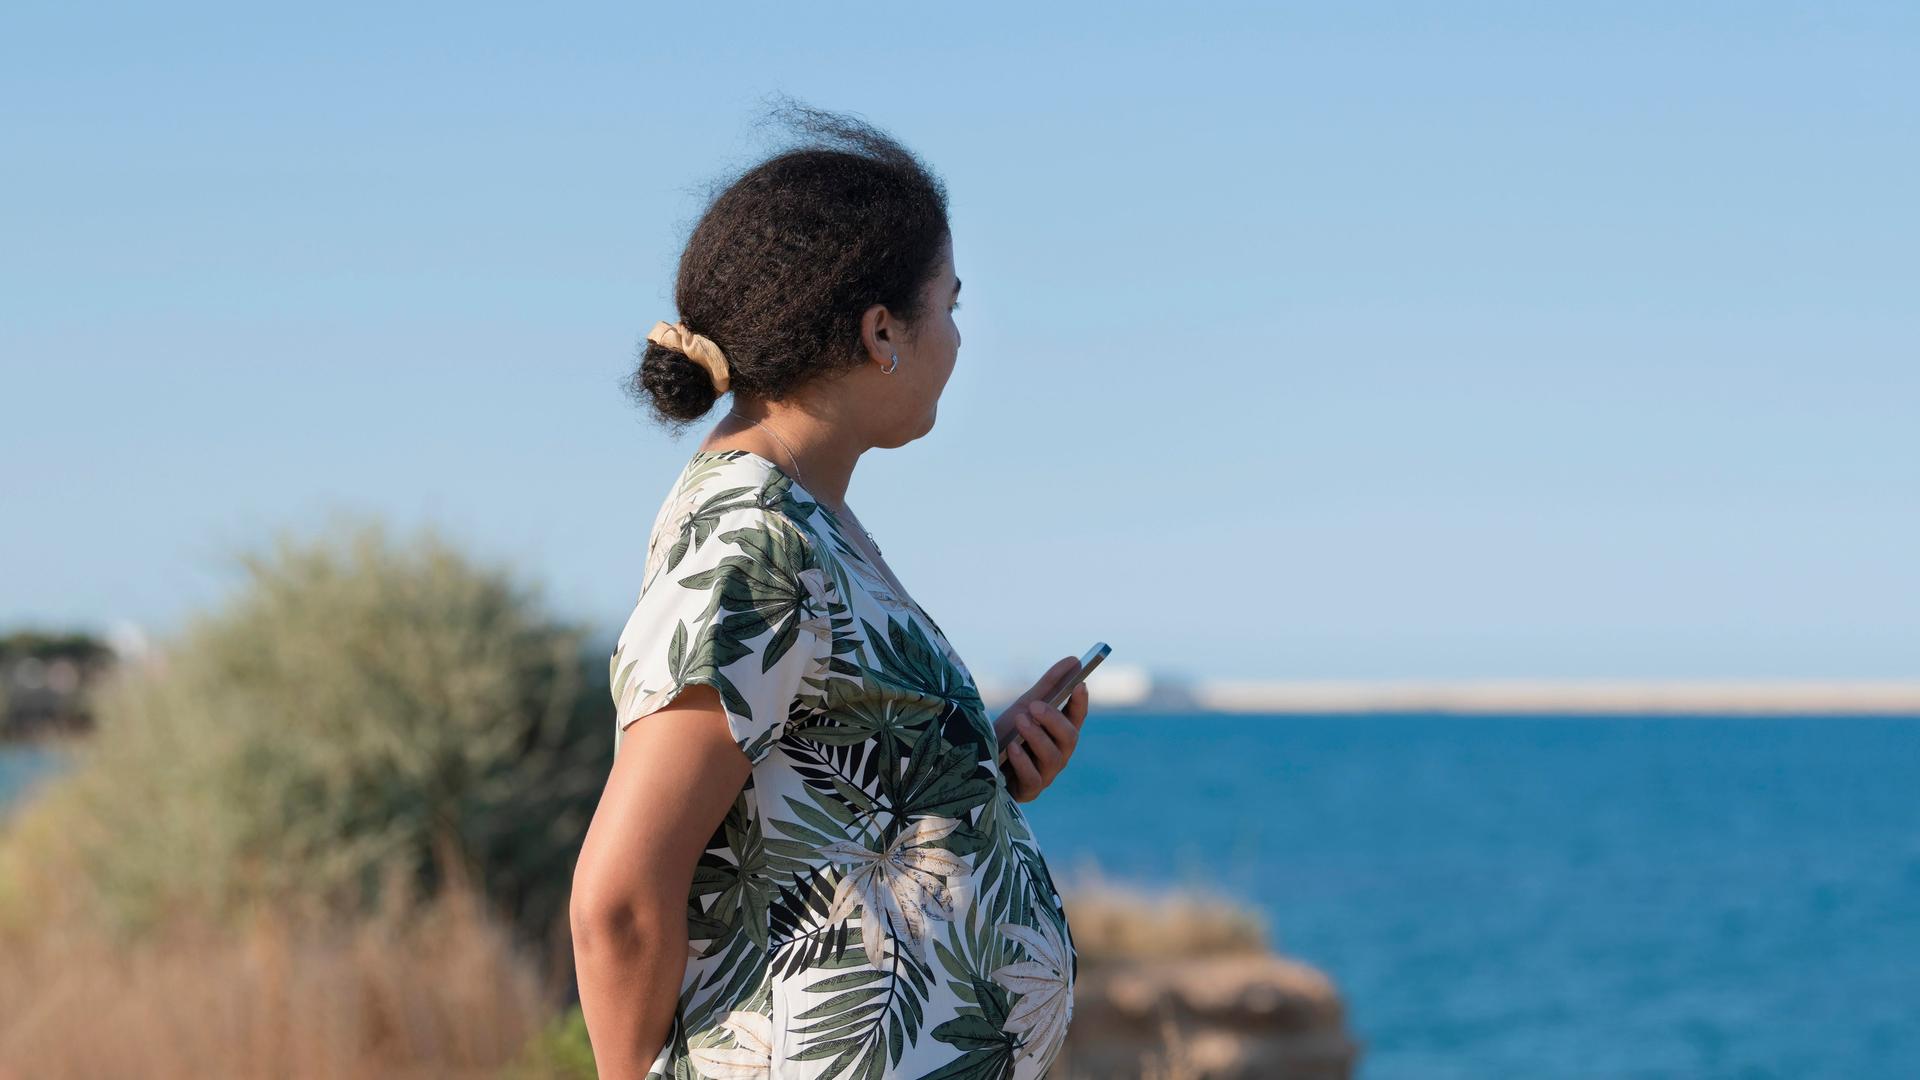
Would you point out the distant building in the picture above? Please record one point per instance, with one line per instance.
(1113, 687)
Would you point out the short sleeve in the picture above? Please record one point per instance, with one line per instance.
(745, 610)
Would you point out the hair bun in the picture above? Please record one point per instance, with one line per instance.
(701, 350)
(680, 389)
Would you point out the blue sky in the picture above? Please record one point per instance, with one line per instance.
(1359, 341)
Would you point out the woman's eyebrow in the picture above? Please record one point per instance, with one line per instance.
(956, 286)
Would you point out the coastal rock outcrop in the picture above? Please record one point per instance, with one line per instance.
(1213, 1017)
(1188, 989)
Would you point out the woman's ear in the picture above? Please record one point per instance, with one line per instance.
(883, 334)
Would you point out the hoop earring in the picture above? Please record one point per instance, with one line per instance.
(888, 370)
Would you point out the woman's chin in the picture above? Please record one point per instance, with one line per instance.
(917, 432)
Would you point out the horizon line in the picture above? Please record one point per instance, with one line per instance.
(1604, 696)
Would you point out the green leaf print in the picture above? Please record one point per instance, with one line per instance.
(874, 906)
(867, 1022)
(802, 935)
(944, 780)
(994, 865)
(701, 523)
(759, 589)
(906, 657)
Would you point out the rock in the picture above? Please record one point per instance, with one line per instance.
(1231, 1016)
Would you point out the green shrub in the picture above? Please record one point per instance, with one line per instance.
(357, 703)
(561, 1052)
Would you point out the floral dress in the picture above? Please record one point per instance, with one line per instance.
(874, 903)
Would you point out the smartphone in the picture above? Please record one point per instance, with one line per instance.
(1059, 700)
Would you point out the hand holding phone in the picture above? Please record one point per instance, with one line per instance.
(1059, 698)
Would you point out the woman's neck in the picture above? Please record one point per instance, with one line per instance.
(796, 441)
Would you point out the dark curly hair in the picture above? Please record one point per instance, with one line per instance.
(789, 256)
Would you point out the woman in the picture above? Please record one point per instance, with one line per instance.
(807, 861)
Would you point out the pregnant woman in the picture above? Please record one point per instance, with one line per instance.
(807, 861)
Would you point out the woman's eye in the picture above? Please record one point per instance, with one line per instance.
(955, 307)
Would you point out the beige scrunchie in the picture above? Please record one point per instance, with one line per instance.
(699, 349)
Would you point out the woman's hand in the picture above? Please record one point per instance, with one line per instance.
(1047, 735)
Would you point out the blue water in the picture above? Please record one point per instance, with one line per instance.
(1535, 898)
(22, 767)
(1546, 897)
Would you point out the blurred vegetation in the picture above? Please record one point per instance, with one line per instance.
(560, 1052)
(51, 646)
(359, 703)
(419, 988)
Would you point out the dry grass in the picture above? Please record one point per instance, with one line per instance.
(419, 990)
(1113, 920)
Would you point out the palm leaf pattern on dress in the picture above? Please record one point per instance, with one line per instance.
(900, 886)
(907, 658)
(874, 904)
(693, 513)
(979, 1030)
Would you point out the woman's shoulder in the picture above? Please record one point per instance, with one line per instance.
(719, 482)
(756, 510)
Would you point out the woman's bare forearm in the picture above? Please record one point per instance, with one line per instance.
(629, 968)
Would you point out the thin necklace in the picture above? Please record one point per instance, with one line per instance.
(791, 457)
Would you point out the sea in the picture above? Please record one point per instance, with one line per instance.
(1545, 897)
(1537, 897)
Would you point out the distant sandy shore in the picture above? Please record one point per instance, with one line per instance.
(1134, 690)
(1566, 696)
